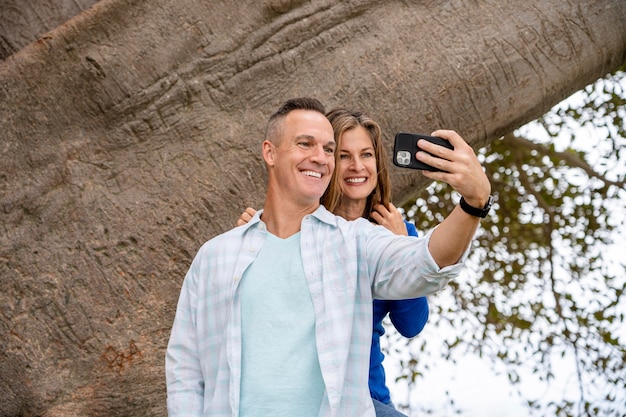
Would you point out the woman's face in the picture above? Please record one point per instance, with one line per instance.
(356, 167)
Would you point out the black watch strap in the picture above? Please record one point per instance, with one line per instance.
(478, 212)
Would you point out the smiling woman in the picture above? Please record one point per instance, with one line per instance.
(356, 172)
(362, 179)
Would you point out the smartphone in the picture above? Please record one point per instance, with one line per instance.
(405, 147)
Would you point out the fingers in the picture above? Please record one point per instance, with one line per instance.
(437, 158)
(441, 151)
(384, 211)
(390, 218)
(246, 216)
(464, 172)
(450, 135)
(250, 211)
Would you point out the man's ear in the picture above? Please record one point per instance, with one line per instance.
(269, 152)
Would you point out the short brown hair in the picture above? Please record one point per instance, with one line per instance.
(274, 129)
(342, 120)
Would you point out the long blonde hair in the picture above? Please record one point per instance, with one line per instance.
(343, 120)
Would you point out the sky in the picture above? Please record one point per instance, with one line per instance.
(477, 388)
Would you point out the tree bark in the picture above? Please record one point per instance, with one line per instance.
(131, 135)
(22, 22)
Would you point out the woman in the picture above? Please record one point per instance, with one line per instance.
(361, 187)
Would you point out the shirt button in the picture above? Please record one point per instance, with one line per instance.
(236, 278)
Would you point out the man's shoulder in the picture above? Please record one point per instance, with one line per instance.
(229, 238)
(332, 219)
(339, 224)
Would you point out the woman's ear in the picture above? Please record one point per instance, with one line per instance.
(269, 152)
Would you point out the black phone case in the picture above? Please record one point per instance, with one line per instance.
(405, 147)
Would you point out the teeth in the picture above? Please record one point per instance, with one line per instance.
(312, 174)
(356, 180)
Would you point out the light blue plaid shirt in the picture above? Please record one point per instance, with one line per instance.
(345, 264)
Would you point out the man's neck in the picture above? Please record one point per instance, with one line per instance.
(284, 219)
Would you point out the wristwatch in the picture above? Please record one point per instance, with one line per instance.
(478, 212)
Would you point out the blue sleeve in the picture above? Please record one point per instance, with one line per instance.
(410, 228)
(409, 316)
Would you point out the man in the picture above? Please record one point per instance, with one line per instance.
(275, 317)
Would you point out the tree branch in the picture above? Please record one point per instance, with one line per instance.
(572, 159)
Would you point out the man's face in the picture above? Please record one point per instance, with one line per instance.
(302, 163)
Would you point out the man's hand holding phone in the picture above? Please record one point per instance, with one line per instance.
(463, 170)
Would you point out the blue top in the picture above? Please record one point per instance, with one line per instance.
(408, 317)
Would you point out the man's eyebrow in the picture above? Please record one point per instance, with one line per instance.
(308, 137)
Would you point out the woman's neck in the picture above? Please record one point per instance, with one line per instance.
(350, 209)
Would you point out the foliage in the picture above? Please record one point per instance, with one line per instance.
(541, 284)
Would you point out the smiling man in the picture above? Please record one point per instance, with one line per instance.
(299, 153)
(275, 316)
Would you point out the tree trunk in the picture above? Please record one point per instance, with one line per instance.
(131, 134)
